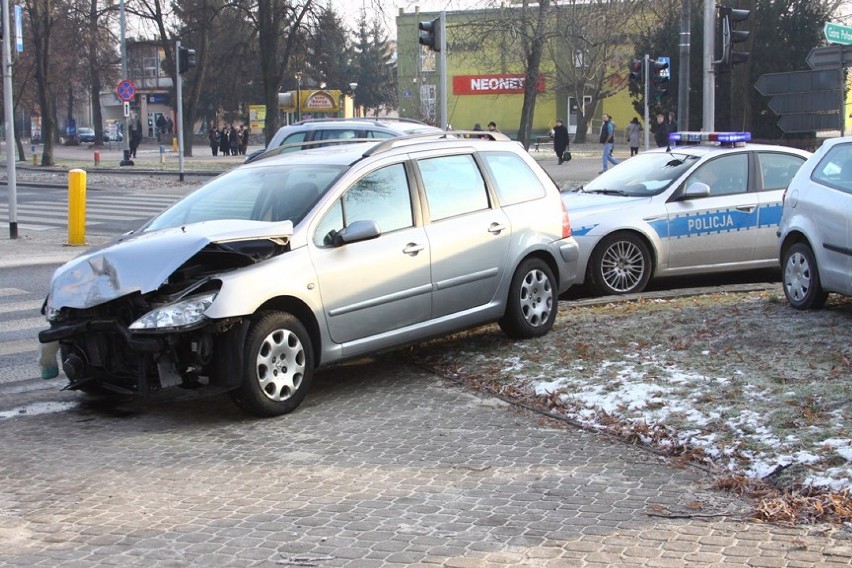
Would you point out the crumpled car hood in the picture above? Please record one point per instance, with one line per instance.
(143, 262)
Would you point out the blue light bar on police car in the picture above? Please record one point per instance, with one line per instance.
(721, 137)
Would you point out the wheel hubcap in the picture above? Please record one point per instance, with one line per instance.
(797, 276)
(536, 298)
(622, 266)
(280, 364)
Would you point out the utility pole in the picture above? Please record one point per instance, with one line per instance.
(683, 67)
(8, 106)
(709, 99)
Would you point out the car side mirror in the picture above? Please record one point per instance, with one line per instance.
(357, 231)
(696, 189)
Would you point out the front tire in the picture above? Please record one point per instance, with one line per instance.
(801, 278)
(621, 264)
(532, 302)
(278, 368)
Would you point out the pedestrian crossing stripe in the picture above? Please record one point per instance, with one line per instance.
(6, 292)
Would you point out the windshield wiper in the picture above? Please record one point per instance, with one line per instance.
(607, 191)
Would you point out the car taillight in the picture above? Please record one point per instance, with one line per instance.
(566, 222)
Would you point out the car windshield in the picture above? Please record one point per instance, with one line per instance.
(642, 175)
(274, 193)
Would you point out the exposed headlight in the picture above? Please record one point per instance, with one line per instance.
(51, 313)
(185, 313)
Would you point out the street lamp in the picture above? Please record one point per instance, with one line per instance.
(298, 95)
(352, 87)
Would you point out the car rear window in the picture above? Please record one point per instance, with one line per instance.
(835, 169)
(514, 181)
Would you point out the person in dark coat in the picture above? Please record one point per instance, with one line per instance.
(234, 140)
(135, 137)
(213, 138)
(244, 140)
(224, 143)
(560, 140)
(661, 132)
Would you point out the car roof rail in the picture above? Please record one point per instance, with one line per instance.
(391, 143)
(359, 119)
(312, 143)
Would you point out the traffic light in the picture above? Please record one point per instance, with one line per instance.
(430, 34)
(186, 59)
(637, 71)
(660, 77)
(728, 17)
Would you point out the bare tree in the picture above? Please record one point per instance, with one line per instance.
(590, 53)
(277, 19)
(41, 18)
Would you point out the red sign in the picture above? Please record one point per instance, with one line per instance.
(492, 84)
(126, 90)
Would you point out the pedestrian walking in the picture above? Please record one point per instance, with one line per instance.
(560, 141)
(234, 140)
(607, 139)
(135, 137)
(633, 131)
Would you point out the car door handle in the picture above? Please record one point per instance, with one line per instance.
(496, 228)
(746, 208)
(412, 249)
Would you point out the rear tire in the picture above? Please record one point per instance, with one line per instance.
(801, 278)
(278, 368)
(532, 302)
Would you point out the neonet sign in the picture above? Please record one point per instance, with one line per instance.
(492, 84)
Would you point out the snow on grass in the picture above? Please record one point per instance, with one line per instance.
(749, 383)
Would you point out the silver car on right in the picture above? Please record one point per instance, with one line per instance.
(815, 233)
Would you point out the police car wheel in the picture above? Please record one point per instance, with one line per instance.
(801, 278)
(620, 264)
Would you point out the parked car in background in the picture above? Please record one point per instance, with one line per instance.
(86, 135)
(307, 259)
(112, 135)
(314, 131)
(709, 203)
(815, 233)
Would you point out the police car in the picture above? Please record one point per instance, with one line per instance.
(710, 202)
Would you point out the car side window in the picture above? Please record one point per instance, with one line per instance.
(514, 181)
(382, 196)
(379, 134)
(835, 168)
(453, 185)
(336, 134)
(726, 175)
(778, 169)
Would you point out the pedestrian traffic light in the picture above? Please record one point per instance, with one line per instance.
(186, 59)
(728, 17)
(637, 71)
(660, 77)
(430, 34)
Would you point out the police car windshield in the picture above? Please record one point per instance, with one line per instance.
(642, 175)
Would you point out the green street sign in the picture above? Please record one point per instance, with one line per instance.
(836, 33)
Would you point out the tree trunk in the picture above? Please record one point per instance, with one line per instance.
(533, 68)
(41, 18)
(268, 39)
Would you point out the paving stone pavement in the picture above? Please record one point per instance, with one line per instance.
(383, 465)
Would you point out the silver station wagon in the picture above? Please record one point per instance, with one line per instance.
(711, 203)
(303, 260)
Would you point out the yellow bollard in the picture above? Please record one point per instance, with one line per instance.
(35, 159)
(174, 144)
(76, 207)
